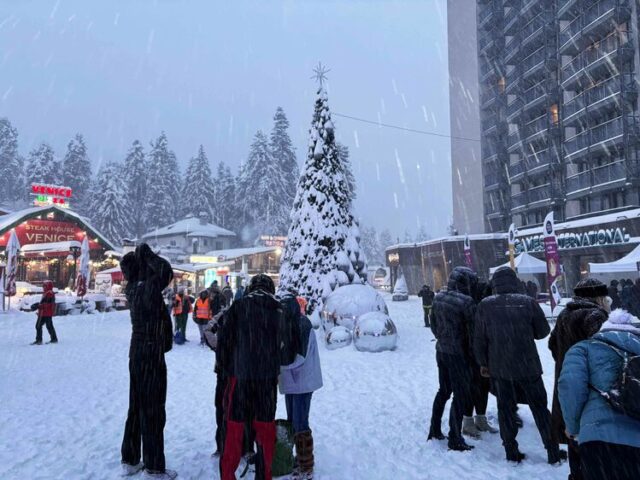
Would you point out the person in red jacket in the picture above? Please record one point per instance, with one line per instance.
(46, 311)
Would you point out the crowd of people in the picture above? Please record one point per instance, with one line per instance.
(260, 340)
(486, 338)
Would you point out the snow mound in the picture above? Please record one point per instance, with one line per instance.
(400, 290)
(348, 302)
(375, 332)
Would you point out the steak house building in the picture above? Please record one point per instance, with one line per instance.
(50, 238)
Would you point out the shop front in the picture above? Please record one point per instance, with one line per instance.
(50, 239)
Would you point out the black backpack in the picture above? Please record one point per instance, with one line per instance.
(624, 394)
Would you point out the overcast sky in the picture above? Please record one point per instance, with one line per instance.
(213, 72)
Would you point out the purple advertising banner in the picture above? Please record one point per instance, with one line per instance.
(552, 256)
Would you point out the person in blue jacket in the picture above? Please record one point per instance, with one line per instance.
(609, 440)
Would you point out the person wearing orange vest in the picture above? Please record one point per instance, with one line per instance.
(181, 310)
(202, 314)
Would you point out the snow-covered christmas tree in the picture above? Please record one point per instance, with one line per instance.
(198, 194)
(343, 154)
(135, 180)
(42, 167)
(163, 185)
(77, 172)
(323, 244)
(108, 206)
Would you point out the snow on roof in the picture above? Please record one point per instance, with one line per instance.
(192, 227)
(14, 218)
(232, 253)
(452, 238)
(585, 222)
(49, 247)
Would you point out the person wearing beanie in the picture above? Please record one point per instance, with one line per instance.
(581, 319)
(609, 439)
(507, 326)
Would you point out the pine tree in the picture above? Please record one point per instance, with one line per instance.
(108, 205)
(77, 172)
(385, 240)
(225, 206)
(42, 166)
(343, 154)
(12, 182)
(284, 156)
(163, 185)
(407, 237)
(261, 195)
(422, 234)
(323, 241)
(198, 194)
(371, 245)
(135, 179)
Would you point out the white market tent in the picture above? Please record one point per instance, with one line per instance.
(525, 264)
(628, 263)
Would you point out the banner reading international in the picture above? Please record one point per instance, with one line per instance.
(467, 252)
(512, 245)
(552, 257)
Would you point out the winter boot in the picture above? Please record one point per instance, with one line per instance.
(553, 456)
(515, 456)
(153, 475)
(127, 470)
(469, 428)
(460, 446)
(36, 343)
(483, 424)
(304, 455)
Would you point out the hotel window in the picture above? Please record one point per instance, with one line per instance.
(555, 118)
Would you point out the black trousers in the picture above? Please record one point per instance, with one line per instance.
(480, 387)
(427, 311)
(575, 467)
(454, 376)
(609, 461)
(146, 416)
(48, 321)
(536, 397)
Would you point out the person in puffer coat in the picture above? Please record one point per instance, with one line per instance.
(581, 318)
(609, 440)
(508, 323)
(452, 317)
(298, 381)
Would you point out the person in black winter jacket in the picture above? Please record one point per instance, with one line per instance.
(253, 343)
(581, 319)
(147, 276)
(508, 323)
(615, 296)
(452, 317)
(427, 296)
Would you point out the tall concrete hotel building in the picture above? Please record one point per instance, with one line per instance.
(558, 108)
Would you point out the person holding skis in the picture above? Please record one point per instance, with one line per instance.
(147, 274)
(298, 381)
(46, 311)
(253, 343)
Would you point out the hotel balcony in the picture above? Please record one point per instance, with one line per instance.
(536, 127)
(518, 201)
(606, 94)
(596, 60)
(612, 175)
(598, 138)
(596, 19)
(567, 8)
(541, 193)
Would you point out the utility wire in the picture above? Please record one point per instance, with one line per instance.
(412, 130)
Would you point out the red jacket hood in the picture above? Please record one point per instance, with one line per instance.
(47, 286)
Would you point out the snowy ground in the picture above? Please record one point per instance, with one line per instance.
(62, 408)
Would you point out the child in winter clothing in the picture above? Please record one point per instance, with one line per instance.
(609, 440)
(298, 381)
(46, 311)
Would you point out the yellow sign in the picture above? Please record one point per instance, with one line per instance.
(202, 259)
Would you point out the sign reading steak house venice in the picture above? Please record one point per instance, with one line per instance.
(570, 240)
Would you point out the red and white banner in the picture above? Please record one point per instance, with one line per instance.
(83, 272)
(12, 249)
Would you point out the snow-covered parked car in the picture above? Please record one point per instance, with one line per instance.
(26, 288)
(360, 313)
(64, 303)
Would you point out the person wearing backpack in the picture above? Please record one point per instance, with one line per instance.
(601, 412)
(298, 381)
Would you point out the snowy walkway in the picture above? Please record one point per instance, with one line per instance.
(62, 408)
